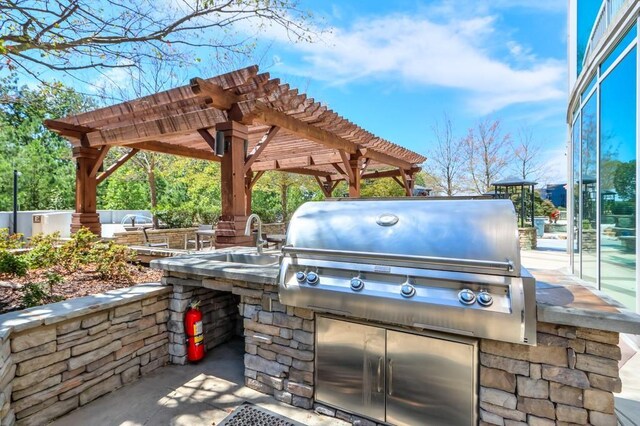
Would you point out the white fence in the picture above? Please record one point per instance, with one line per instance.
(48, 221)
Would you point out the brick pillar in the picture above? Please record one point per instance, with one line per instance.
(230, 228)
(86, 185)
(355, 163)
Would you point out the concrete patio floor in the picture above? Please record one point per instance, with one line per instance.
(204, 394)
(191, 395)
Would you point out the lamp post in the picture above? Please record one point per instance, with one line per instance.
(16, 173)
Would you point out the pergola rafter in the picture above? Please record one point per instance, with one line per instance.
(266, 124)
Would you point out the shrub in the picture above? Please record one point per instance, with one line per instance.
(208, 215)
(78, 250)
(36, 294)
(112, 260)
(12, 264)
(10, 241)
(176, 217)
(43, 253)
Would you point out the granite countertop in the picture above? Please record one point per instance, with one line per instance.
(565, 299)
(561, 298)
(205, 264)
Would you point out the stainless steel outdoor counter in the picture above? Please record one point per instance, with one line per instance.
(560, 299)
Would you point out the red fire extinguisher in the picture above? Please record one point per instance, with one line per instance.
(194, 331)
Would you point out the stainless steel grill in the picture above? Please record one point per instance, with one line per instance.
(445, 265)
(371, 267)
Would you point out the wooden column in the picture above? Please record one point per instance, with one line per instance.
(355, 164)
(86, 184)
(233, 218)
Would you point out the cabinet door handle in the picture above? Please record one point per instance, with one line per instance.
(390, 389)
(380, 360)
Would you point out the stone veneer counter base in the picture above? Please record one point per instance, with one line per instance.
(568, 378)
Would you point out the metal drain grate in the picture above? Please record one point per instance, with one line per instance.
(252, 415)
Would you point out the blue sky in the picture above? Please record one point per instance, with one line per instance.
(395, 67)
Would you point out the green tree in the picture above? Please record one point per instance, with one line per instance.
(42, 157)
(624, 180)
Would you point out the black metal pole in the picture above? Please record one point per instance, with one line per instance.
(522, 211)
(533, 206)
(15, 201)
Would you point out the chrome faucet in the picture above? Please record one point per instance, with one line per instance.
(260, 243)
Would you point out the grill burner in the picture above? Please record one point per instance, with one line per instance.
(446, 265)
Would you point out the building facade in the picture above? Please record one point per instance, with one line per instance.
(603, 145)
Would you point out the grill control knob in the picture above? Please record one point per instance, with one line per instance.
(485, 299)
(301, 276)
(312, 278)
(357, 284)
(466, 297)
(407, 290)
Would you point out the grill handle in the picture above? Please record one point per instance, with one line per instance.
(506, 265)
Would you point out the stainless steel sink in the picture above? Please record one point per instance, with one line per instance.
(246, 258)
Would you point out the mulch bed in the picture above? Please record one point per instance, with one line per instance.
(80, 283)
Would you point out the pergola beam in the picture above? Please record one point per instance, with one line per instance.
(385, 159)
(260, 146)
(115, 166)
(99, 161)
(179, 150)
(154, 129)
(295, 162)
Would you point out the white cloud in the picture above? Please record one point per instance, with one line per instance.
(416, 50)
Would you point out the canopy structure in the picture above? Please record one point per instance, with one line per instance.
(247, 121)
(510, 186)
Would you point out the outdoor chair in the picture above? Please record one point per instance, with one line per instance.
(202, 239)
(147, 243)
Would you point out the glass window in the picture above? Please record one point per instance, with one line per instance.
(587, 13)
(588, 189)
(626, 41)
(576, 196)
(618, 181)
(590, 86)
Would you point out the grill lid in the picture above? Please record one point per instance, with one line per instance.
(442, 234)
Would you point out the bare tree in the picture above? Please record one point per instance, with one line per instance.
(157, 76)
(71, 35)
(526, 156)
(486, 151)
(447, 157)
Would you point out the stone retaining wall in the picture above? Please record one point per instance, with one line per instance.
(174, 237)
(569, 378)
(279, 340)
(528, 238)
(79, 350)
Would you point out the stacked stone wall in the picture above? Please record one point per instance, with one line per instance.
(569, 378)
(174, 237)
(220, 315)
(69, 360)
(7, 373)
(528, 238)
(279, 340)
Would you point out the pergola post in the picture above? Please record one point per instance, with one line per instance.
(86, 186)
(355, 164)
(235, 208)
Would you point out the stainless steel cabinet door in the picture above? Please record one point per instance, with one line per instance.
(429, 381)
(350, 367)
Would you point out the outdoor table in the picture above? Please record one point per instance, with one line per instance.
(204, 233)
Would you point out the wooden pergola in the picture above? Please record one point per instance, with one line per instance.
(247, 121)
